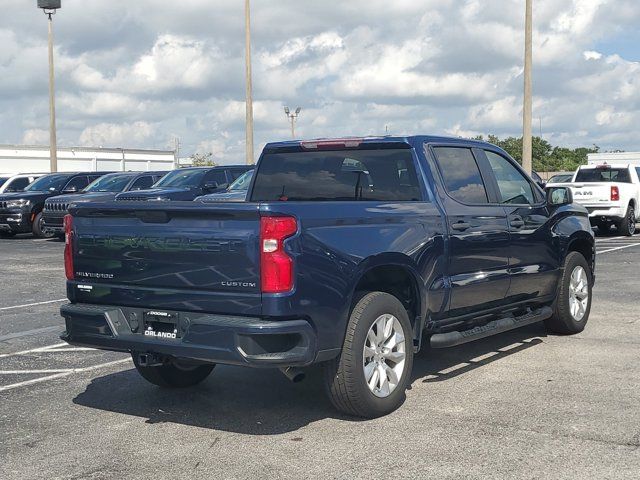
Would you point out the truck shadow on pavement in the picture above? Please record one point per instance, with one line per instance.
(264, 402)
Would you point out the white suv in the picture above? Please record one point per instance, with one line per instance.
(16, 182)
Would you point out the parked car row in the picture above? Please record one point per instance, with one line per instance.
(37, 203)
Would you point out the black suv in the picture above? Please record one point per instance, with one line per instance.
(21, 212)
(104, 189)
(188, 183)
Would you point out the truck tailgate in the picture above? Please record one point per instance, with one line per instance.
(591, 194)
(182, 255)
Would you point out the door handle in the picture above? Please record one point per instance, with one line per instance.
(516, 222)
(460, 226)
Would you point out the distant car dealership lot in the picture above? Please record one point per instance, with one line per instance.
(548, 404)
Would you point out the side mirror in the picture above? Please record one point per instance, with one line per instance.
(557, 196)
(71, 189)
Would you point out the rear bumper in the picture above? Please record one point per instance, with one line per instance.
(210, 338)
(614, 213)
(15, 222)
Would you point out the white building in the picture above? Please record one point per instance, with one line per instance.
(625, 158)
(28, 159)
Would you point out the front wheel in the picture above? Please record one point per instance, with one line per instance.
(371, 375)
(627, 226)
(573, 302)
(38, 227)
(174, 374)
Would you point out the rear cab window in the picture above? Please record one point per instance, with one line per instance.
(385, 175)
(603, 174)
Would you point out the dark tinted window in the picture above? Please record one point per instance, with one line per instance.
(514, 187)
(142, 183)
(109, 183)
(638, 172)
(588, 175)
(218, 176)
(3, 180)
(18, 185)
(77, 183)
(183, 178)
(461, 174)
(374, 175)
(48, 183)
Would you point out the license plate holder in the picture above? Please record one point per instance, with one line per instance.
(161, 325)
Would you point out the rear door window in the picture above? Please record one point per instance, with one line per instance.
(461, 175)
(142, 183)
(77, 183)
(386, 175)
(217, 176)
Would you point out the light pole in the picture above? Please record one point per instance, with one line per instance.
(292, 116)
(249, 92)
(49, 7)
(527, 146)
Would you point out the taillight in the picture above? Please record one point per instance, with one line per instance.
(615, 194)
(276, 267)
(331, 143)
(68, 246)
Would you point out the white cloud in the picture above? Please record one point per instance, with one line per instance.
(136, 73)
(116, 135)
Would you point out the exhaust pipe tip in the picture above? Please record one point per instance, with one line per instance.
(294, 374)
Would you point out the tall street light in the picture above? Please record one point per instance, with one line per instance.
(249, 92)
(527, 146)
(292, 116)
(49, 7)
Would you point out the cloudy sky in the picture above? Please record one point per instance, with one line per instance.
(139, 73)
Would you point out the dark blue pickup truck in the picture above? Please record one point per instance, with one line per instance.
(349, 252)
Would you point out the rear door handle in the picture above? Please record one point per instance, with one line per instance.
(460, 226)
(516, 222)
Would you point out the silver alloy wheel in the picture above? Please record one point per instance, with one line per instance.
(383, 358)
(578, 293)
(632, 221)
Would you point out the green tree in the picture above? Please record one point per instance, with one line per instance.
(202, 160)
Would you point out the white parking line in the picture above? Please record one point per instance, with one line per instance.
(34, 350)
(606, 239)
(33, 372)
(33, 304)
(62, 374)
(618, 248)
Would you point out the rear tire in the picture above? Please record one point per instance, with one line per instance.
(573, 303)
(173, 375)
(37, 228)
(378, 345)
(627, 226)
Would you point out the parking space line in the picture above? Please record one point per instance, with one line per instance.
(605, 239)
(27, 333)
(62, 374)
(33, 304)
(33, 350)
(34, 372)
(618, 248)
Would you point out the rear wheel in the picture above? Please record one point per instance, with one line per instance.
(175, 374)
(370, 377)
(573, 302)
(38, 227)
(627, 226)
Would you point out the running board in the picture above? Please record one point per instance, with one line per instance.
(451, 339)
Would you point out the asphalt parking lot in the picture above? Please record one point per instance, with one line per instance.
(519, 405)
